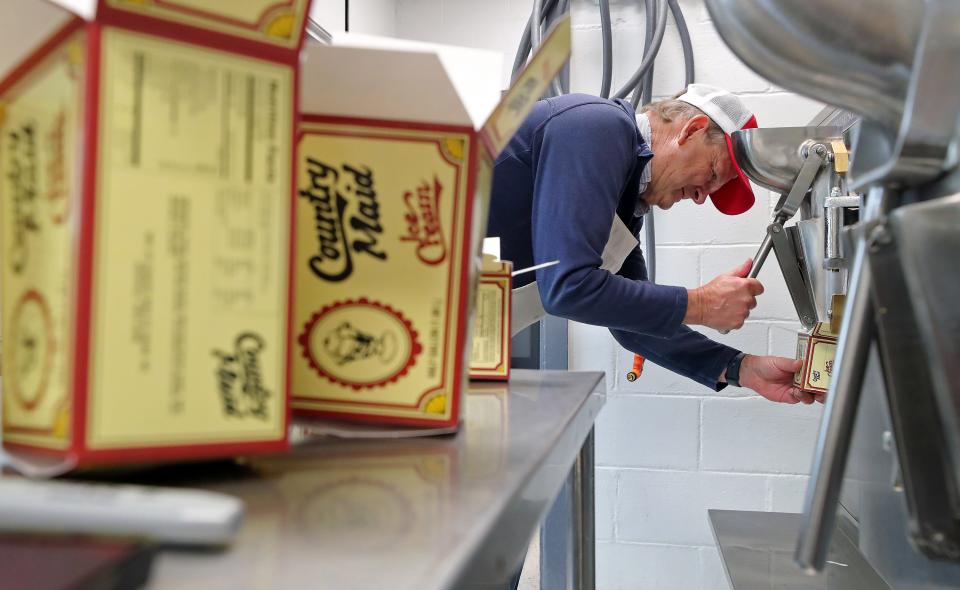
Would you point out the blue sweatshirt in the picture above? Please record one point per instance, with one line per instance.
(572, 166)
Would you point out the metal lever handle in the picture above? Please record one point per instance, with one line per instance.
(758, 260)
(761, 256)
(790, 203)
(843, 396)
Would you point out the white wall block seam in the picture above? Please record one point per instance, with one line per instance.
(671, 545)
(632, 394)
(758, 474)
(700, 436)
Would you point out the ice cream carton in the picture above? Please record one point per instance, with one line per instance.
(146, 163)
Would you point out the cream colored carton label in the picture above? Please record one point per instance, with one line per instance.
(381, 228)
(39, 192)
(820, 365)
(823, 330)
(277, 22)
(487, 352)
(191, 248)
(803, 340)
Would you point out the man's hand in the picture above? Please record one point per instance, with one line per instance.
(725, 302)
(772, 377)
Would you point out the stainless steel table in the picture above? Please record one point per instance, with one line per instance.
(453, 511)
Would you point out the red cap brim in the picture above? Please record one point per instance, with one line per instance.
(736, 196)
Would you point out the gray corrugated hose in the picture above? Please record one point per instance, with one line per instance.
(649, 57)
(641, 82)
(606, 31)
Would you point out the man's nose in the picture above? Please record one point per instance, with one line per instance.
(699, 196)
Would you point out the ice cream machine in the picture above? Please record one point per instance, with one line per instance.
(808, 167)
(877, 252)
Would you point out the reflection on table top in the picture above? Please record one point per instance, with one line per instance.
(757, 550)
(408, 513)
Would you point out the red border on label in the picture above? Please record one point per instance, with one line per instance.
(86, 220)
(196, 35)
(41, 53)
(77, 352)
(456, 384)
(30, 65)
(240, 24)
(84, 264)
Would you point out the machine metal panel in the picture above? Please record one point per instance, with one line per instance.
(828, 50)
(772, 156)
(928, 239)
(873, 494)
(757, 550)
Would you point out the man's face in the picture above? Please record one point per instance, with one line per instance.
(687, 165)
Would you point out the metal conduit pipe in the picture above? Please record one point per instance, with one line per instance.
(535, 17)
(649, 16)
(649, 224)
(525, 45)
(606, 31)
(685, 43)
(549, 17)
(649, 57)
(641, 82)
(641, 96)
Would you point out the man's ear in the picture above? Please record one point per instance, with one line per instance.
(692, 126)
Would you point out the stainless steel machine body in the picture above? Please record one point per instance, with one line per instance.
(807, 166)
(889, 444)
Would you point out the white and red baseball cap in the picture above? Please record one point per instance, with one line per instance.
(729, 112)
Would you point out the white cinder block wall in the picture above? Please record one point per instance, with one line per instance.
(370, 17)
(667, 448)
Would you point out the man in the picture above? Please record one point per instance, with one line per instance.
(572, 186)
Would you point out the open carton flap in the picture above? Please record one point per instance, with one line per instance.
(528, 87)
(265, 22)
(381, 78)
(85, 9)
(24, 27)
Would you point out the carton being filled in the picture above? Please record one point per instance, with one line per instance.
(146, 156)
(395, 152)
(490, 345)
(817, 349)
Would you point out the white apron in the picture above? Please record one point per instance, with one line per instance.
(526, 307)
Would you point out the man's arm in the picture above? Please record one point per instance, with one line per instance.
(699, 358)
(688, 353)
(586, 157)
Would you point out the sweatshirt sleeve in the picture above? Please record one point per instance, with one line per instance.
(586, 157)
(688, 353)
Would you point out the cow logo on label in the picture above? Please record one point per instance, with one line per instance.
(31, 335)
(360, 343)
